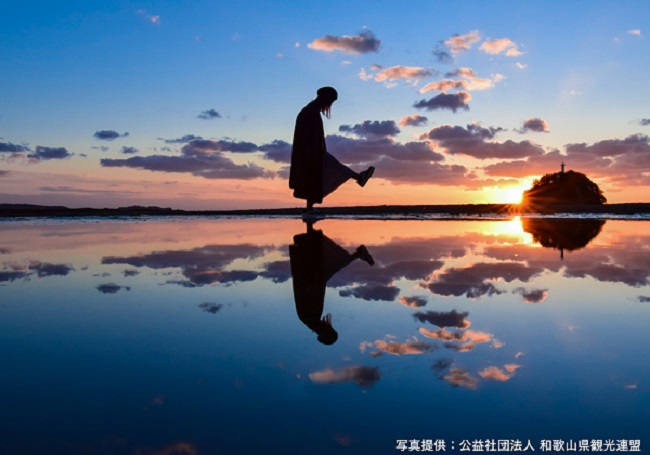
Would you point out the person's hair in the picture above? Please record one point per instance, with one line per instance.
(327, 95)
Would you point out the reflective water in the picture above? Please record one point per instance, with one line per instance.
(201, 336)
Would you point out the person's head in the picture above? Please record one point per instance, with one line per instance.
(325, 98)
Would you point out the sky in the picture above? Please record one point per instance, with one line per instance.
(192, 104)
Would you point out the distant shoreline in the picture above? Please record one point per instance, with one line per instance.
(38, 211)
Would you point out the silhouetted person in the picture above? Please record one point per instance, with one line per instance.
(315, 258)
(315, 173)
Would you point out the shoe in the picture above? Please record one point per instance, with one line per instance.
(365, 255)
(365, 176)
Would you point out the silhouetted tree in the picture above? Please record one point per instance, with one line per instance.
(564, 188)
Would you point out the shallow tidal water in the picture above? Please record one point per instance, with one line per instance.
(206, 336)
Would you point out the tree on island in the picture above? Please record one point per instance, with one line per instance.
(563, 188)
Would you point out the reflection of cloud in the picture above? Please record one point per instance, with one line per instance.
(12, 276)
(643, 299)
(201, 266)
(370, 292)
(460, 341)
(532, 295)
(413, 347)
(413, 302)
(44, 269)
(110, 288)
(459, 377)
(494, 373)
(363, 376)
(210, 307)
(444, 319)
(363, 43)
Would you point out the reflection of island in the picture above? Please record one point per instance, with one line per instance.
(315, 258)
(562, 234)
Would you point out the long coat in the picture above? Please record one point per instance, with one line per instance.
(306, 173)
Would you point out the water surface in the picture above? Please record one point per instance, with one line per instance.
(199, 336)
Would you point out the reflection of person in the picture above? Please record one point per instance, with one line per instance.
(315, 258)
(315, 173)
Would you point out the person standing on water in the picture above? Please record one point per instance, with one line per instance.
(314, 172)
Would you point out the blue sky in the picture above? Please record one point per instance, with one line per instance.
(150, 69)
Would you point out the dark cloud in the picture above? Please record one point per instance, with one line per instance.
(363, 43)
(372, 129)
(372, 150)
(644, 122)
(363, 376)
(413, 302)
(278, 271)
(130, 150)
(182, 140)
(532, 295)
(444, 319)
(108, 135)
(441, 366)
(44, 269)
(641, 298)
(201, 158)
(413, 120)
(209, 114)
(8, 147)
(279, 151)
(128, 273)
(110, 288)
(209, 307)
(442, 54)
(200, 266)
(6, 276)
(472, 281)
(49, 153)
(377, 292)
(451, 101)
(536, 124)
(474, 141)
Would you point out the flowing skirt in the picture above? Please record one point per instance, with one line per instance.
(335, 174)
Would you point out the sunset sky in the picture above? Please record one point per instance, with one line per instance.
(191, 104)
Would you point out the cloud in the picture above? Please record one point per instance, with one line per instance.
(44, 269)
(473, 141)
(370, 129)
(532, 295)
(643, 299)
(412, 347)
(494, 373)
(363, 43)
(500, 46)
(413, 120)
(130, 150)
(363, 376)
(210, 307)
(4, 173)
(442, 54)
(277, 150)
(445, 85)
(202, 158)
(413, 302)
(108, 135)
(644, 122)
(110, 288)
(535, 124)
(467, 73)
(372, 292)
(462, 43)
(8, 147)
(209, 114)
(444, 319)
(182, 140)
(635, 32)
(451, 101)
(49, 153)
(459, 377)
(388, 75)
(472, 82)
(372, 150)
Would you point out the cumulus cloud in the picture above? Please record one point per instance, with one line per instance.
(202, 158)
(474, 140)
(49, 153)
(363, 376)
(108, 135)
(459, 377)
(500, 46)
(363, 43)
(412, 347)
(462, 43)
(644, 122)
(278, 150)
(470, 82)
(444, 319)
(413, 120)
(372, 129)
(209, 114)
(535, 124)
(532, 295)
(44, 269)
(413, 302)
(388, 75)
(210, 307)
(372, 292)
(451, 101)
